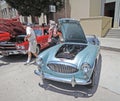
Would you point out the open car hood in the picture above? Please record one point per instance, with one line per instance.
(72, 31)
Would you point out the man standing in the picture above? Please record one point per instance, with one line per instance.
(53, 38)
(30, 36)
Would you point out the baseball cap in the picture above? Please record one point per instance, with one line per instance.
(29, 24)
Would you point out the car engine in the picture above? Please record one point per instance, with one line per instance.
(69, 51)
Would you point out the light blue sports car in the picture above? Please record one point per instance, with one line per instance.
(73, 60)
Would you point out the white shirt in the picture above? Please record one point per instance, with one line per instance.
(29, 31)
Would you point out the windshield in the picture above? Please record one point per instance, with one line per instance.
(72, 32)
(38, 32)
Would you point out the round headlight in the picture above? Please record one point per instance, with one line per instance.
(86, 67)
(18, 47)
(22, 47)
(39, 61)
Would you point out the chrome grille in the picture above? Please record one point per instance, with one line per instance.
(62, 68)
(7, 46)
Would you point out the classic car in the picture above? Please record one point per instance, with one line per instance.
(4, 36)
(73, 60)
(17, 45)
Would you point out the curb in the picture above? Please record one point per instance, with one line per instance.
(110, 48)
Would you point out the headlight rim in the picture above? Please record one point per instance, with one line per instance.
(20, 47)
(39, 61)
(86, 67)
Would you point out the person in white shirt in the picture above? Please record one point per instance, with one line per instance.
(30, 36)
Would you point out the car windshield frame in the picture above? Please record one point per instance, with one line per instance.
(72, 31)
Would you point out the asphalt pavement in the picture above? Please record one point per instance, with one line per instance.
(112, 68)
(110, 44)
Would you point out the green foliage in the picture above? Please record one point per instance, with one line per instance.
(34, 7)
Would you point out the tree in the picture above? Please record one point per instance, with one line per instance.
(34, 7)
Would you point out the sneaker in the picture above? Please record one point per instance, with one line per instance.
(32, 62)
(26, 62)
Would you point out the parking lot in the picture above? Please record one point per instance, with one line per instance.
(19, 83)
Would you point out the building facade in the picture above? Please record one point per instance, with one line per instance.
(79, 9)
(76, 9)
(85, 8)
(112, 9)
(6, 11)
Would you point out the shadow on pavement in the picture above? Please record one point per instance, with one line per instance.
(77, 91)
(6, 60)
(6, 63)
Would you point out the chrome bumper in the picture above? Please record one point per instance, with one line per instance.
(73, 81)
(12, 52)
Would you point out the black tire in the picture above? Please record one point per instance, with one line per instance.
(38, 49)
(93, 77)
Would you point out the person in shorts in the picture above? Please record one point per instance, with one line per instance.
(30, 36)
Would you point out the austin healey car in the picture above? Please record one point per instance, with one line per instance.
(73, 60)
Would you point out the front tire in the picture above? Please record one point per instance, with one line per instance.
(93, 76)
(38, 49)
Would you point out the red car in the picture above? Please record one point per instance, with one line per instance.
(4, 36)
(17, 45)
